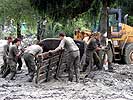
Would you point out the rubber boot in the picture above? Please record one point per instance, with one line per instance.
(84, 68)
(110, 68)
(99, 67)
(19, 64)
(30, 79)
(70, 79)
(12, 75)
(77, 73)
(6, 73)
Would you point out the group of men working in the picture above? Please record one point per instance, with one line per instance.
(12, 56)
(95, 54)
(94, 51)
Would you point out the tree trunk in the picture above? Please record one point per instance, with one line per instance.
(38, 30)
(41, 29)
(103, 22)
(18, 30)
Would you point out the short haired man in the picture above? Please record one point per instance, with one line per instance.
(91, 49)
(97, 54)
(74, 55)
(12, 59)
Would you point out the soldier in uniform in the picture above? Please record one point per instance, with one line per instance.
(87, 36)
(5, 54)
(91, 49)
(29, 57)
(74, 55)
(98, 53)
(19, 60)
(12, 59)
(21, 50)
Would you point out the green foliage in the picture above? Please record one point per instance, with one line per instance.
(53, 28)
(61, 9)
(74, 24)
(130, 21)
(62, 15)
(126, 6)
(18, 11)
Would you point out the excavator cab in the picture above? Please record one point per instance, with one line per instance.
(114, 21)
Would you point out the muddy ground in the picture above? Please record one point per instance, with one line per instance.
(102, 85)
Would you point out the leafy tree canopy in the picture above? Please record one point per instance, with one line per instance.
(59, 9)
(66, 8)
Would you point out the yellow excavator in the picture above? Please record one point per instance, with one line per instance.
(120, 36)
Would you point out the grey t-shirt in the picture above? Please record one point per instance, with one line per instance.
(13, 51)
(34, 50)
(68, 44)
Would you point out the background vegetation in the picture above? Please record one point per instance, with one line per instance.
(60, 15)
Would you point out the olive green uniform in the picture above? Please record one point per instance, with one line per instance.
(29, 58)
(89, 56)
(12, 62)
(5, 56)
(74, 56)
(13, 58)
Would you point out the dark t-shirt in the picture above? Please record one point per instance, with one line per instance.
(13, 51)
(98, 42)
(92, 45)
(6, 50)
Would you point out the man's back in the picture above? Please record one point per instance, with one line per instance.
(34, 49)
(70, 44)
